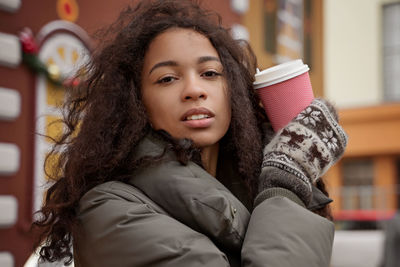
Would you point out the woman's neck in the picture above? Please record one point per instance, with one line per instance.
(209, 158)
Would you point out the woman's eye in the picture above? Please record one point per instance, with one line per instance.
(211, 73)
(167, 79)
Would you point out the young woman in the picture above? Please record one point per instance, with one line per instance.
(174, 162)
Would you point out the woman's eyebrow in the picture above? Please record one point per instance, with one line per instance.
(162, 64)
(207, 58)
(174, 63)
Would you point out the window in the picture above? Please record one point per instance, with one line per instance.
(358, 191)
(397, 187)
(391, 51)
(287, 29)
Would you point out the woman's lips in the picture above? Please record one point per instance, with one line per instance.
(190, 120)
(202, 123)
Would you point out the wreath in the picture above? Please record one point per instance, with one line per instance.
(30, 58)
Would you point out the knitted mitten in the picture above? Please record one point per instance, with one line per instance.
(302, 152)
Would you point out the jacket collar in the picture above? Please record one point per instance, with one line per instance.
(190, 195)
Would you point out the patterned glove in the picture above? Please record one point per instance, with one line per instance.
(302, 152)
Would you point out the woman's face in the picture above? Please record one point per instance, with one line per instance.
(183, 88)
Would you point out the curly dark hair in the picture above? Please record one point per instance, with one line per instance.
(105, 118)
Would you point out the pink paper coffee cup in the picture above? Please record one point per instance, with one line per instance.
(285, 90)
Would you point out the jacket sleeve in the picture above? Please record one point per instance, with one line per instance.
(119, 230)
(283, 233)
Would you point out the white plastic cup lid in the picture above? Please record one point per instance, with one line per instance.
(279, 73)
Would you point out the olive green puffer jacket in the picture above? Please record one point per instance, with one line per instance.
(175, 215)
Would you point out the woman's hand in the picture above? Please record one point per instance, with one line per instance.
(302, 151)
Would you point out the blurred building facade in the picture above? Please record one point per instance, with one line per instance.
(352, 48)
(361, 75)
(28, 100)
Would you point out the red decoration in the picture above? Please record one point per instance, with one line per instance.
(67, 8)
(28, 42)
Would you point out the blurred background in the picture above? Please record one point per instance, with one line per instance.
(351, 46)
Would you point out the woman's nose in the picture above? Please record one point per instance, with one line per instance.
(193, 90)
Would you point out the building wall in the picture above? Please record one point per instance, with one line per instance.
(353, 80)
(18, 106)
(347, 55)
(353, 51)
